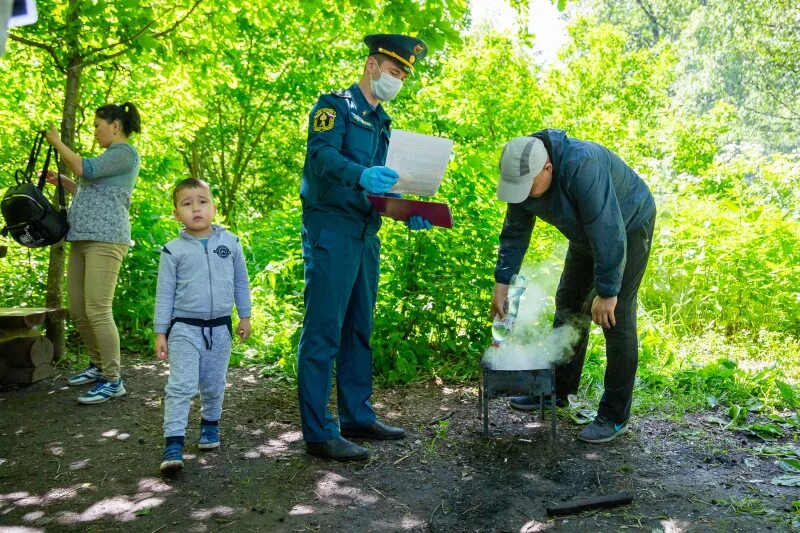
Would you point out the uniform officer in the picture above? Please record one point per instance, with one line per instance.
(348, 137)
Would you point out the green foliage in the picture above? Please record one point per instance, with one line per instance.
(685, 372)
(720, 307)
(607, 93)
(725, 265)
(742, 52)
(697, 140)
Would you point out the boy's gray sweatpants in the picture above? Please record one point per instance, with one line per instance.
(192, 365)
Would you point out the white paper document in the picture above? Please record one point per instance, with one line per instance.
(421, 161)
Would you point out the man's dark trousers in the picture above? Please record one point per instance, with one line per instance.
(573, 306)
(341, 274)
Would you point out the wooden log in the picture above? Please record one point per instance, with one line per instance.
(27, 317)
(27, 352)
(29, 375)
(19, 317)
(600, 502)
(8, 334)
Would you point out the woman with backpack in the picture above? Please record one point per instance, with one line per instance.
(99, 236)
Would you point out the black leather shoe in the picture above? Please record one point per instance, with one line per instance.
(376, 431)
(530, 403)
(338, 449)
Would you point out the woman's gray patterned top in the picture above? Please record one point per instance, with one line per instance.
(99, 209)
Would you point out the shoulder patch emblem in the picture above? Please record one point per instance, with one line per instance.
(324, 119)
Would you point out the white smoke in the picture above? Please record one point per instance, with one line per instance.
(533, 343)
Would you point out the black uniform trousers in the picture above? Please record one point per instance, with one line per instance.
(573, 307)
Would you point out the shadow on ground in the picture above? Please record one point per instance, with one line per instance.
(64, 466)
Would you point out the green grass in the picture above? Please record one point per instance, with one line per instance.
(680, 373)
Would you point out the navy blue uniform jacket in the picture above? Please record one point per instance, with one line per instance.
(345, 136)
(595, 199)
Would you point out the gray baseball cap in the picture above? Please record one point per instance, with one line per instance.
(522, 159)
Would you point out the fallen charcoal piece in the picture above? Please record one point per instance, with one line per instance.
(600, 502)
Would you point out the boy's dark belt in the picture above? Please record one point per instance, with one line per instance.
(203, 324)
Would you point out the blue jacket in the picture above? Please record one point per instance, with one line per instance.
(595, 199)
(201, 282)
(345, 136)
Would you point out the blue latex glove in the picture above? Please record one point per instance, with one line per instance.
(377, 180)
(416, 222)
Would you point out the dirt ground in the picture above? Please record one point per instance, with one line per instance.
(64, 467)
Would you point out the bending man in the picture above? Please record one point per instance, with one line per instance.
(607, 213)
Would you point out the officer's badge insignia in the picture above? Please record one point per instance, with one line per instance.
(361, 121)
(324, 119)
(418, 48)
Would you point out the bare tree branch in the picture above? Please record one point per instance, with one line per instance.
(122, 42)
(787, 106)
(169, 30)
(770, 115)
(106, 58)
(257, 139)
(653, 19)
(137, 35)
(36, 44)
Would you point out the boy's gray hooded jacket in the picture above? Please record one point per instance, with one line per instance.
(201, 283)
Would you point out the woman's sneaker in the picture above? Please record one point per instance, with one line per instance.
(209, 437)
(102, 391)
(173, 457)
(92, 373)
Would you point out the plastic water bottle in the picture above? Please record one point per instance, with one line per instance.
(501, 329)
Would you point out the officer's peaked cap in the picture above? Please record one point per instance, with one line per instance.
(402, 48)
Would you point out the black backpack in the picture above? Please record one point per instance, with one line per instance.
(31, 219)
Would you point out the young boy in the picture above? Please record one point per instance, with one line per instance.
(200, 276)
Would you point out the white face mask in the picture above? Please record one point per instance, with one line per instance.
(386, 87)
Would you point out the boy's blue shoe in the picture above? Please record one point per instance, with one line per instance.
(209, 437)
(102, 391)
(173, 457)
(92, 373)
(602, 430)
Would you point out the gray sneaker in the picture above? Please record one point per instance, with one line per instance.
(91, 374)
(602, 430)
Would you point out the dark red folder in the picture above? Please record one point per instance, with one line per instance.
(436, 213)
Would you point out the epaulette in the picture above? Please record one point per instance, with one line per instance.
(342, 93)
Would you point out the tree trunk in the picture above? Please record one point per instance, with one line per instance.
(55, 268)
